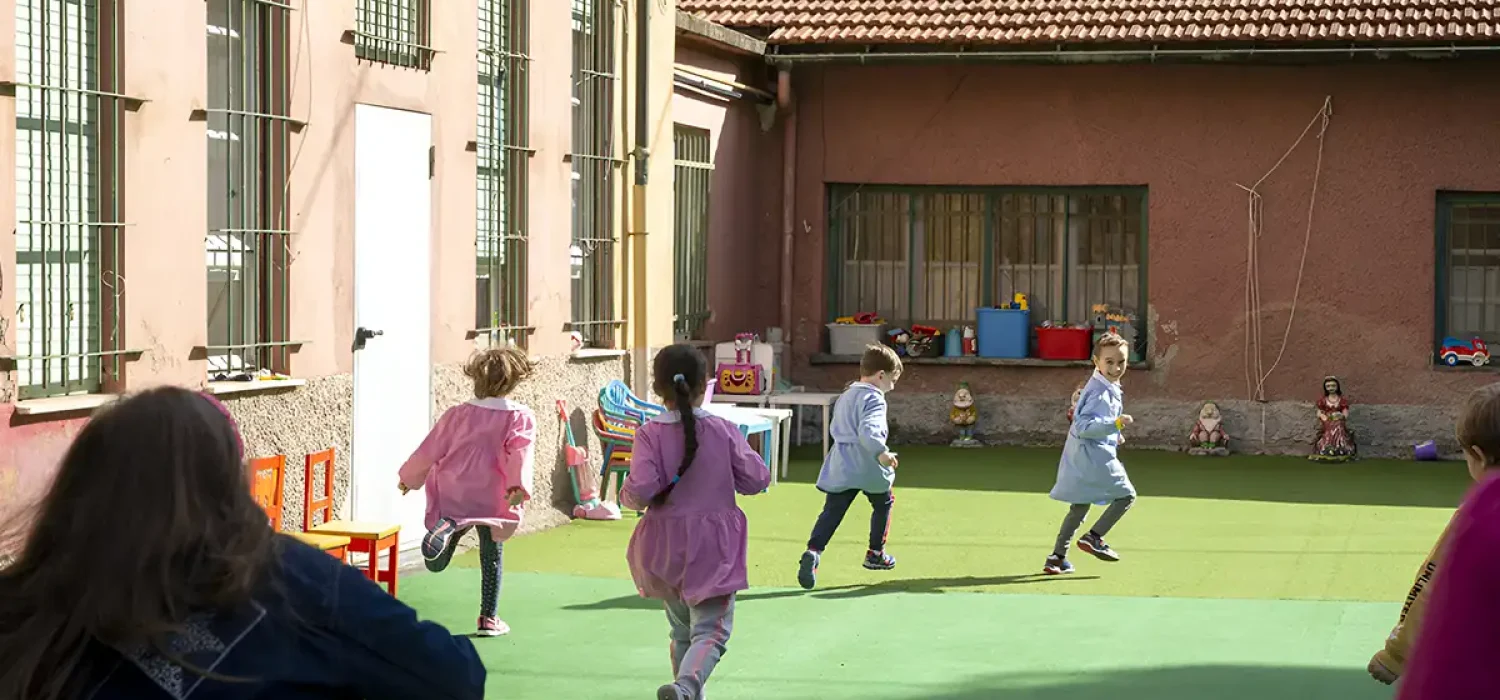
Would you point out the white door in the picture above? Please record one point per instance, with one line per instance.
(392, 311)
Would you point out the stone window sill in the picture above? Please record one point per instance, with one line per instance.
(596, 354)
(1490, 367)
(254, 386)
(969, 361)
(79, 403)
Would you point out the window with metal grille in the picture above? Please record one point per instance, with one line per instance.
(249, 134)
(1468, 266)
(594, 164)
(503, 187)
(398, 32)
(693, 167)
(68, 228)
(933, 255)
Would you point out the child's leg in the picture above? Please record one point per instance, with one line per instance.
(1070, 524)
(491, 559)
(880, 518)
(440, 543)
(834, 508)
(1112, 515)
(680, 621)
(711, 621)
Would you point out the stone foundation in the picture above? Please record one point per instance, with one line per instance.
(1279, 427)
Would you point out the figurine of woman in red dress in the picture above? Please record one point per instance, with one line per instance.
(1335, 439)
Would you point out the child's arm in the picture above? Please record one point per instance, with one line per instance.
(873, 429)
(751, 476)
(520, 447)
(1387, 664)
(414, 472)
(646, 478)
(1096, 419)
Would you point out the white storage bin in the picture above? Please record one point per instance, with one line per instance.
(851, 339)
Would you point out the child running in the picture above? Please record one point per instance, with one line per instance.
(476, 466)
(860, 462)
(688, 550)
(1090, 471)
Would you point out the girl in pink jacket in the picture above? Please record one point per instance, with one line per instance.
(476, 467)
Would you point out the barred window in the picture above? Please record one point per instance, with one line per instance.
(693, 167)
(594, 167)
(503, 186)
(1468, 266)
(68, 218)
(933, 255)
(397, 32)
(249, 134)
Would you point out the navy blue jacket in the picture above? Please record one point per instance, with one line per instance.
(323, 631)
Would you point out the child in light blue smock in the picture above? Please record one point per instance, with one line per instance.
(1090, 471)
(859, 462)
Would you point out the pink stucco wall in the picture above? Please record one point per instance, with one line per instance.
(1399, 133)
(744, 195)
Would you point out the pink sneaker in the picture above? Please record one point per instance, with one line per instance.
(492, 627)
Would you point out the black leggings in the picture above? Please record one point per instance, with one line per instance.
(837, 504)
(491, 560)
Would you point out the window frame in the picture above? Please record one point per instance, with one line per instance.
(503, 159)
(593, 247)
(380, 34)
(1444, 201)
(834, 258)
(691, 166)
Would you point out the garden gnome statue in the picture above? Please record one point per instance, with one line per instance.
(1208, 436)
(964, 414)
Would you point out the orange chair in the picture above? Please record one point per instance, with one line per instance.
(372, 539)
(267, 477)
(618, 440)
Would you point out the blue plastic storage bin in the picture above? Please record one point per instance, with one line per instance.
(1003, 332)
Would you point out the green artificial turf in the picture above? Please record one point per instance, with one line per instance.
(1250, 577)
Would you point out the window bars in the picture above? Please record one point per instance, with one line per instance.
(249, 148)
(69, 113)
(693, 166)
(933, 255)
(397, 32)
(594, 170)
(1468, 269)
(503, 186)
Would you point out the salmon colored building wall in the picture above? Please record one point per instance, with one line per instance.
(165, 161)
(1400, 132)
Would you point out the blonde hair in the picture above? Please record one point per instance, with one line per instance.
(497, 371)
(878, 358)
(1111, 339)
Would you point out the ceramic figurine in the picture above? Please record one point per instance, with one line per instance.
(899, 338)
(1335, 439)
(1073, 402)
(963, 415)
(1208, 436)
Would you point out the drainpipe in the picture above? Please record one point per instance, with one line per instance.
(642, 178)
(787, 104)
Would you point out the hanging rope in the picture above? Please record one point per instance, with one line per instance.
(1256, 373)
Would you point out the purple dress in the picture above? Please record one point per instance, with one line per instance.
(691, 548)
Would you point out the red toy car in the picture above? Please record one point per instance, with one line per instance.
(1475, 352)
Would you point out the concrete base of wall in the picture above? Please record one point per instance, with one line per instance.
(316, 416)
(1279, 427)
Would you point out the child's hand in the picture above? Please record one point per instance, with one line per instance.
(887, 459)
(403, 488)
(1126, 420)
(1379, 672)
(517, 497)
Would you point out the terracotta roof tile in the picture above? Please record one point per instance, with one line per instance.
(1020, 22)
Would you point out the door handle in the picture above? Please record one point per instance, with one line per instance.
(363, 335)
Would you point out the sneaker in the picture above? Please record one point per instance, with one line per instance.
(807, 570)
(492, 627)
(437, 546)
(1057, 565)
(1094, 544)
(879, 561)
(672, 691)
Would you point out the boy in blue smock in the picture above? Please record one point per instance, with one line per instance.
(859, 462)
(1090, 471)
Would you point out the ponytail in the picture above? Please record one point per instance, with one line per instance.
(682, 394)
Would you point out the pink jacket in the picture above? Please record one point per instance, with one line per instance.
(476, 454)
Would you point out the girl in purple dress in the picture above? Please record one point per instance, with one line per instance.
(689, 549)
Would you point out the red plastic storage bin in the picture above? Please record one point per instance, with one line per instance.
(1064, 343)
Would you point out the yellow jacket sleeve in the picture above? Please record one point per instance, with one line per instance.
(1398, 645)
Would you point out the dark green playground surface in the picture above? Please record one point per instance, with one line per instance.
(1243, 577)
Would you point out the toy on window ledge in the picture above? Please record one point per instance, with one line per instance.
(923, 342)
(1208, 436)
(971, 343)
(899, 339)
(1474, 352)
(964, 414)
(1335, 439)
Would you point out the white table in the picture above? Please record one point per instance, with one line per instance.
(805, 398)
(767, 422)
(780, 437)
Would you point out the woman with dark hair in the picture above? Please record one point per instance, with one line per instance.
(149, 572)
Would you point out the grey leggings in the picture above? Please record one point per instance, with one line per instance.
(1078, 511)
(699, 634)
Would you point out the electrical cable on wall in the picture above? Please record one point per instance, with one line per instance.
(1256, 373)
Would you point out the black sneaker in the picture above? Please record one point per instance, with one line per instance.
(879, 561)
(1094, 544)
(672, 691)
(1057, 565)
(438, 545)
(807, 570)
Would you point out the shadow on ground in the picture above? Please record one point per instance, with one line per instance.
(1279, 479)
(1181, 683)
(918, 585)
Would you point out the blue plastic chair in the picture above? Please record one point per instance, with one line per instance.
(616, 400)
